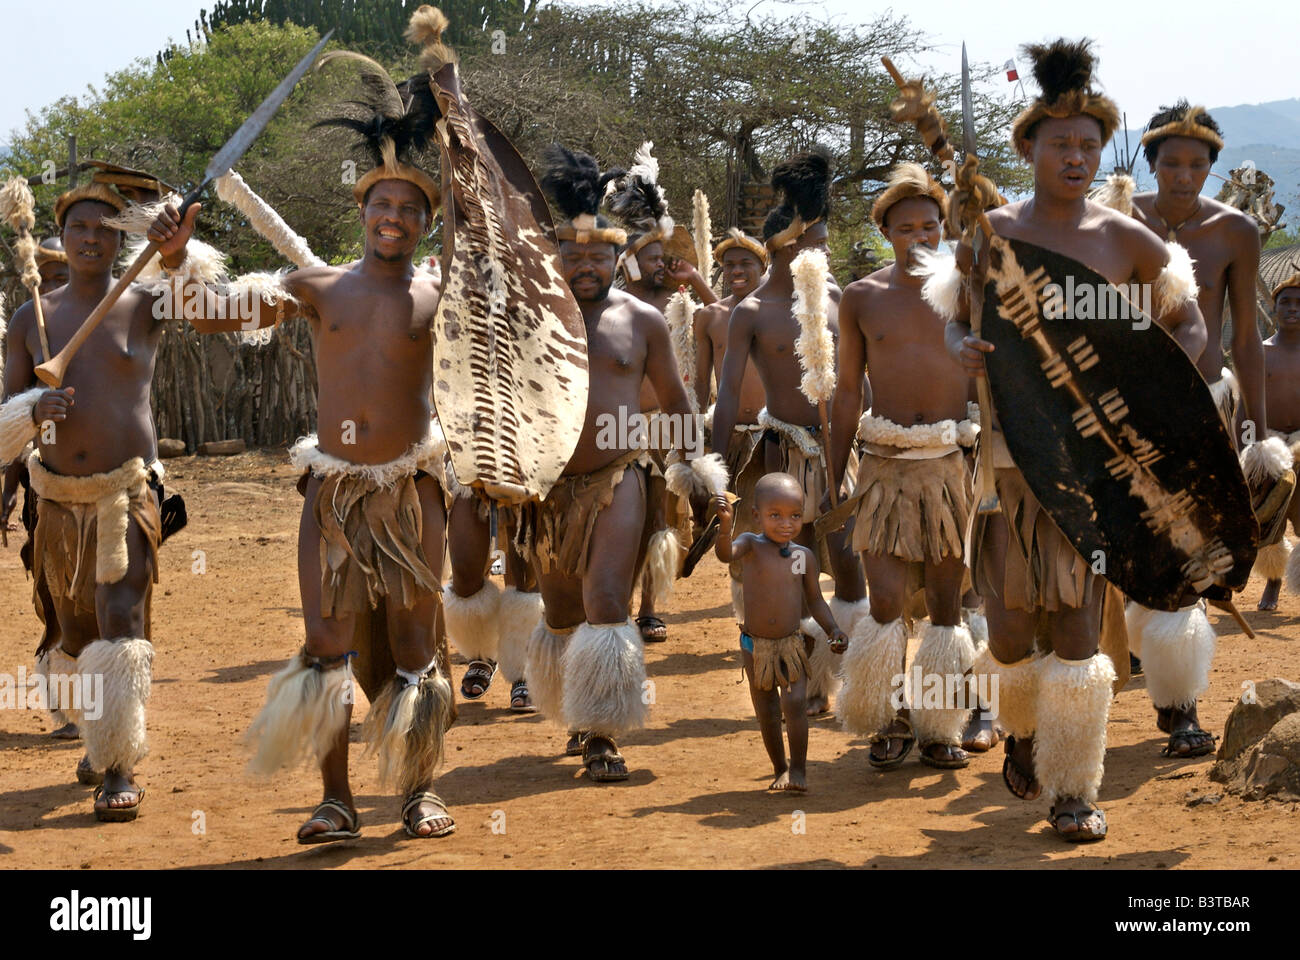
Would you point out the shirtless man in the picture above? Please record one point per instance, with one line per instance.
(95, 438)
(1282, 382)
(587, 538)
(52, 264)
(912, 483)
(763, 327)
(1055, 708)
(1181, 143)
(373, 520)
(652, 276)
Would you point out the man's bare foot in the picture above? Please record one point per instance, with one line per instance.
(1268, 601)
(790, 781)
(818, 706)
(1018, 768)
(979, 736)
(425, 815)
(1186, 738)
(118, 798)
(891, 746)
(603, 761)
(331, 820)
(1077, 821)
(68, 731)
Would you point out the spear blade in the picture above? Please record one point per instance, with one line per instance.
(243, 138)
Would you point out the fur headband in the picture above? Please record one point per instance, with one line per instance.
(1064, 74)
(1187, 125)
(908, 180)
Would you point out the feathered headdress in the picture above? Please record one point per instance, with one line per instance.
(396, 126)
(804, 182)
(576, 185)
(908, 180)
(1064, 74)
(637, 199)
(1183, 120)
(738, 238)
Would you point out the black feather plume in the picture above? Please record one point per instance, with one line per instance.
(1061, 67)
(639, 203)
(371, 117)
(574, 180)
(804, 181)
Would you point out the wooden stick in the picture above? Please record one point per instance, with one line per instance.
(40, 323)
(826, 452)
(1229, 607)
(988, 502)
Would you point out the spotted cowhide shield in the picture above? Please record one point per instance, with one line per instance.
(510, 359)
(1114, 429)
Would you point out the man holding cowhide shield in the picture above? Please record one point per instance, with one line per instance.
(1093, 478)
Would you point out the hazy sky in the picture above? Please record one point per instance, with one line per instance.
(56, 49)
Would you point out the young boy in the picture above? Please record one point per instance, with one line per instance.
(778, 578)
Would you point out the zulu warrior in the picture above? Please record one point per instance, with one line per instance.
(588, 537)
(1034, 582)
(913, 485)
(371, 538)
(1181, 144)
(763, 327)
(652, 266)
(1277, 558)
(97, 482)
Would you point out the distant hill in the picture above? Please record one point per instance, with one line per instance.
(1267, 133)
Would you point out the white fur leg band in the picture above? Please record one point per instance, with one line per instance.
(823, 663)
(1070, 740)
(545, 653)
(17, 428)
(474, 622)
(1271, 561)
(63, 691)
(604, 679)
(1177, 649)
(1017, 694)
(406, 727)
(871, 665)
(939, 707)
(114, 728)
(521, 612)
(305, 711)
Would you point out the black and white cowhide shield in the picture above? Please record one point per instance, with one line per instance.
(1114, 429)
(510, 359)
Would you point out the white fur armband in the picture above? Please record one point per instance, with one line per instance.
(1176, 284)
(270, 289)
(203, 263)
(17, 428)
(943, 280)
(706, 475)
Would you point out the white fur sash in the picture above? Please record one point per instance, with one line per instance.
(801, 437)
(921, 441)
(111, 493)
(425, 455)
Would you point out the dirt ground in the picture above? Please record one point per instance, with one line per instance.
(696, 796)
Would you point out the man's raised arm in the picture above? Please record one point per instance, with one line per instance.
(247, 307)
